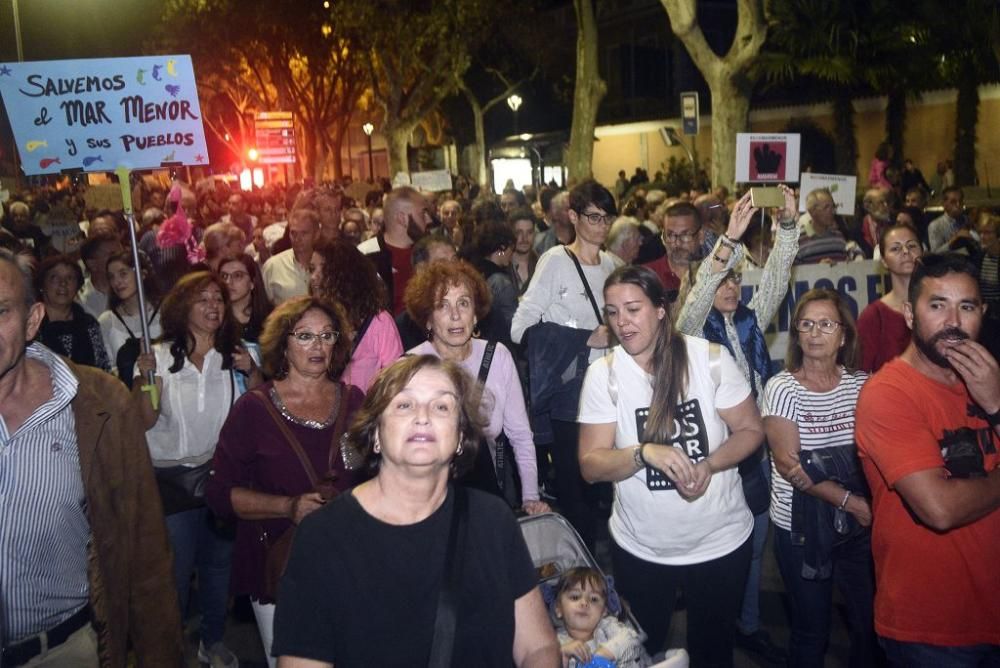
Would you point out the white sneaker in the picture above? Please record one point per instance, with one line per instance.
(217, 655)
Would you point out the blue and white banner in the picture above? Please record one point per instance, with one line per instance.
(861, 283)
(100, 114)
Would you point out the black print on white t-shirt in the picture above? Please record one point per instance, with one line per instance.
(689, 435)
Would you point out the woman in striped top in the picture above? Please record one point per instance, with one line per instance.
(819, 502)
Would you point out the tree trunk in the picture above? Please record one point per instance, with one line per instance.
(845, 151)
(397, 139)
(482, 169)
(730, 115)
(895, 124)
(336, 146)
(587, 95)
(966, 118)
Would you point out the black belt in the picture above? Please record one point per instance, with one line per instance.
(26, 650)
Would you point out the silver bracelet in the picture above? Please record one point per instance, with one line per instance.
(843, 504)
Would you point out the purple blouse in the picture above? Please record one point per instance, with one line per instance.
(253, 453)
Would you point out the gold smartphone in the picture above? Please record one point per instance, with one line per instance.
(765, 198)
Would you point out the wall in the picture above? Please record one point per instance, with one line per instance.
(929, 136)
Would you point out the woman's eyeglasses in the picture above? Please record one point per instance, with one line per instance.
(597, 218)
(305, 339)
(825, 326)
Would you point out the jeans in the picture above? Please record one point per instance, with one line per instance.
(712, 592)
(811, 601)
(749, 621)
(919, 655)
(198, 543)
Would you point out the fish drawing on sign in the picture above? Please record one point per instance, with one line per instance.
(172, 89)
(156, 71)
(172, 67)
(47, 162)
(91, 159)
(169, 157)
(35, 145)
(140, 77)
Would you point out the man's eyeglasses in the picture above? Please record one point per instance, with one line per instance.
(683, 237)
(596, 219)
(825, 326)
(733, 277)
(305, 339)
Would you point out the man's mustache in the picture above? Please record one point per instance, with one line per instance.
(950, 333)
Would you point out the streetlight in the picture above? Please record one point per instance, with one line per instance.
(369, 129)
(514, 102)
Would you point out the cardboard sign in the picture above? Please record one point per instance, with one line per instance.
(861, 283)
(432, 181)
(99, 114)
(104, 197)
(767, 158)
(843, 188)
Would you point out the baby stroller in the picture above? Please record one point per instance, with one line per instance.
(556, 547)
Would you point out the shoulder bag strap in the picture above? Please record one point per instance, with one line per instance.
(586, 285)
(338, 426)
(361, 334)
(289, 436)
(443, 642)
(484, 367)
(124, 324)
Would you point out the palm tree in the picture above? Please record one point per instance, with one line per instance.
(846, 47)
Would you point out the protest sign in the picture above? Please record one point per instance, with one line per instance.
(767, 158)
(843, 189)
(99, 114)
(432, 181)
(861, 283)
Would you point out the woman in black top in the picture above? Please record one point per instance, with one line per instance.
(67, 329)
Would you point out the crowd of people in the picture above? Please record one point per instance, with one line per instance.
(345, 403)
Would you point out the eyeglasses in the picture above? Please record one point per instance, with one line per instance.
(596, 218)
(682, 237)
(825, 326)
(305, 339)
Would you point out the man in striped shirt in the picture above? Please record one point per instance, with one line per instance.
(84, 561)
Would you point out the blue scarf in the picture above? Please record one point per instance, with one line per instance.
(751, 341)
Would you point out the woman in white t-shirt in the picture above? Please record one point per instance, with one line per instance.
(819, 503)
(667, 418)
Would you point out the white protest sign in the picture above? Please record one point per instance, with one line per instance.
(103, 113)
(861, 283)
(843, 188)
(767, 158)
(432, 181)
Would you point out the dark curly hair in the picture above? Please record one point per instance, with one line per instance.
(360, 438)
(50, 263)
(348, 277)
(281, 323)
(427, 288)
(175, 311)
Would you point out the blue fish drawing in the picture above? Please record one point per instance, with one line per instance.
(91, 159)
(173, 89)
(156, 71)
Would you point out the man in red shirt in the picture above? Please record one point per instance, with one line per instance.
(682, 235)
(927, 431)
(406, 214)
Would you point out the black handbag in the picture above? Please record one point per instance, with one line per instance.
(182, 487)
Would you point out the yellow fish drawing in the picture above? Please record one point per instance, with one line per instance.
(33, 146)
(172, 67)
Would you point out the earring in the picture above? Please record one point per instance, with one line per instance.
(430, 334)
(458, 452)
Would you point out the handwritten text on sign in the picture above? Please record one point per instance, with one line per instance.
(100, 114)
